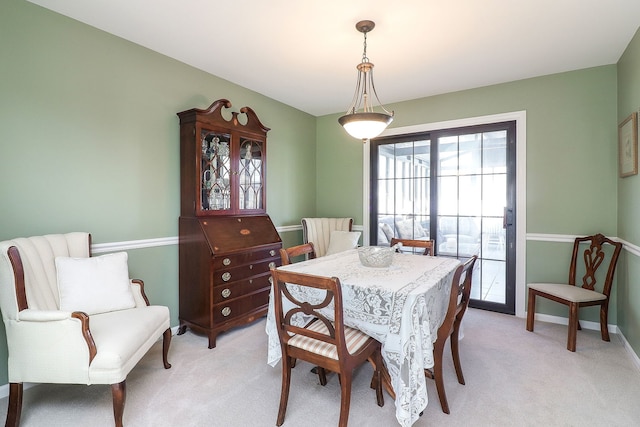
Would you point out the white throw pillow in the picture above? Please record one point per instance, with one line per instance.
(94, 285)
(342, 241)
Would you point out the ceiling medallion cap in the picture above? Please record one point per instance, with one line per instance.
(365, 26)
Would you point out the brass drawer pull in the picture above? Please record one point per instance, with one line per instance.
(226, 276)
(226, 292)
(272, 252)
(226, 261)
(272, 265)
(226, 311)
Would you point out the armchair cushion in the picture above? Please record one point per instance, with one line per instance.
(342, 240)
(94, 285)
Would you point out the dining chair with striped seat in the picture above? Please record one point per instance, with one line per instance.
(287, 255)
(319, 340)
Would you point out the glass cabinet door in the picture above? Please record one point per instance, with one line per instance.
(250, 175)
(215, 167)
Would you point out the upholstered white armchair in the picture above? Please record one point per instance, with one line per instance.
(71, 318)
(320, 232)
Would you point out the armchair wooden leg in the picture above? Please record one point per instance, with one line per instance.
(531, 310)
(573, 327)
(119, 392)
(15, 405)
(166, 341)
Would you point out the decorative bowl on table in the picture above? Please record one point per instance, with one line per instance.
(376, 256)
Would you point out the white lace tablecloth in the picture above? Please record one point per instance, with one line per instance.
(401, 306)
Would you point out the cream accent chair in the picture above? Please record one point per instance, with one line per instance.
(318, 231)
(49, 345)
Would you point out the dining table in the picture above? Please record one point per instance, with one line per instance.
(402, 306)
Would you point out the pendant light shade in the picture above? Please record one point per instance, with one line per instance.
(365, 125)
(361, 121)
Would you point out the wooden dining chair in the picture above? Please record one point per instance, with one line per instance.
(428, 245)
(322, 342)
(450, 328)
(286, 254)
(574, 296)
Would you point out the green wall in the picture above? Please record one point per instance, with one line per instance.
(628, 302)
(89, 140)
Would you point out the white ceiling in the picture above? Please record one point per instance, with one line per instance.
(304, 52)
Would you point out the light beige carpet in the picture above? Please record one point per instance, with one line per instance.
(514, 378)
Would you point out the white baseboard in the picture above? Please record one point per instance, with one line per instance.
(634, 356)
(585, 324)
(593, 326)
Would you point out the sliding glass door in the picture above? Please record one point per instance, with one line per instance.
(456, 187)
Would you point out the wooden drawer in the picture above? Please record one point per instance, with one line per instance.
(240, 306)
(229, 275)
(232, 290)
(224, 262)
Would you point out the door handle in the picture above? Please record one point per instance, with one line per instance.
(507, 217)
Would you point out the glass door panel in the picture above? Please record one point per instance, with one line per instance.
(250, 175)
(472, 197)
(403, 186)
(215, 165)
(460, 203)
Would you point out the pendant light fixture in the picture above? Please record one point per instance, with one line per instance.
(361, 121)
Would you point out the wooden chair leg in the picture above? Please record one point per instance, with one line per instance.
(455, 353)
(382, 376)
(322, 376)
(284, 394)
(378, 378)
(14, 409)
(345, 399)
(166, 341)
(119, 392)
(437, 374)
(604, 322)
(318, 370)
(531, 310)
(573, 327)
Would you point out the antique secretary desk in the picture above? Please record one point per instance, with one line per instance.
(227, 242)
